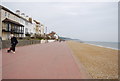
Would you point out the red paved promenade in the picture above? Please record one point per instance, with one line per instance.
(41, 61)
(0, 64)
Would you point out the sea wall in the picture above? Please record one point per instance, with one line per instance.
(7, 44)
(0, 44)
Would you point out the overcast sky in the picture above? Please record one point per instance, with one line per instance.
(90, 21)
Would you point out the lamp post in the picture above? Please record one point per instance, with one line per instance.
(46, 30)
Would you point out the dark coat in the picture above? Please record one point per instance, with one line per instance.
(14, 41)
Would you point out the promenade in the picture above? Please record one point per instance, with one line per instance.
(42, 61)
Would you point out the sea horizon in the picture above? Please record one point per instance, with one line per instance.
(105, 44)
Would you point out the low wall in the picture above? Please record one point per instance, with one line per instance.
(51, 40)
(0, 44)
(7, 44)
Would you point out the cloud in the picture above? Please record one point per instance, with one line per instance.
(82, 20)
(60, 0)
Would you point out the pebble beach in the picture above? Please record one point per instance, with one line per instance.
(101, 63)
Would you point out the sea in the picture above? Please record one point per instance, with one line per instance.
(112, 45)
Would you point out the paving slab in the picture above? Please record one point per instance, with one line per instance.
(41, 61)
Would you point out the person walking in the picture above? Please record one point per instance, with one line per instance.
(14, 42)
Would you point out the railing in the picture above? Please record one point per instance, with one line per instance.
(13, 31)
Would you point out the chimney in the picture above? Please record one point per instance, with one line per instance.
(27, 17)
(30, 20)
(18, 12)
(23, 15)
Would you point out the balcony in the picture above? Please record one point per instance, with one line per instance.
(12, 26)
(13, 31)
(6, 30)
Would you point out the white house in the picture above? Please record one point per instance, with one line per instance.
(42, 30)
(10, 22)
(18, 24)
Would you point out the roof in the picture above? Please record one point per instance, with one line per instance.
(11, 21)
(51, 34)
(36, 22)
(2, 7)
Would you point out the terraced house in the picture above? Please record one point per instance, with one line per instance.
(16, 23)
(39, 28)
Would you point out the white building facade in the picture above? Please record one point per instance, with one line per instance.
(17, 24)
(11, 23)
(42, 30)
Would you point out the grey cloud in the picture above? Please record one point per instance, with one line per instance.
(85, 21)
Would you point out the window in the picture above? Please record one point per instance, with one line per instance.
(5, 13)
(15, 28)
(22, 29)
(26, 30)
(26, 23)
(19, 29)
(21, 20)
(8, 15)
(9, 27)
